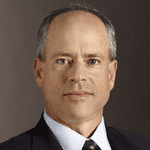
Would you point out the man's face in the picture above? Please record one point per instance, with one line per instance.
(76, 77)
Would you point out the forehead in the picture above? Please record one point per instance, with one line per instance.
(76, 29)
(76, 18)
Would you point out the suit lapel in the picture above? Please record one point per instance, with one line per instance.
(43, 138)
(112, 140)
(118, 141)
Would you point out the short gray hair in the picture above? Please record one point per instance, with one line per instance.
(42, 33)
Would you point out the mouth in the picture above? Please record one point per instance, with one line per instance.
(76, 94)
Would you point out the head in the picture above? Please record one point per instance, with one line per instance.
(76, 66)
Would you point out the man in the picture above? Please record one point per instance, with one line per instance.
(75, 68)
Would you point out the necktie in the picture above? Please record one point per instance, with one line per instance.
(90, 145)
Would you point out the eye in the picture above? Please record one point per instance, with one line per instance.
(93, 61)
(62, 61)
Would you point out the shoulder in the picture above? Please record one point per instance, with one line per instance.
(22, 141)
(130, 138)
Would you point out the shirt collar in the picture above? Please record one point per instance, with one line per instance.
(100, 136)
(69, 139)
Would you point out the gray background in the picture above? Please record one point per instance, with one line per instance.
(21, 102)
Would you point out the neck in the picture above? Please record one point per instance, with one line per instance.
(85, 127)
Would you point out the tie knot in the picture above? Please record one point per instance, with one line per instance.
(90, 145)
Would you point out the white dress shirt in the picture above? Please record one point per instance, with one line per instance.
(71, 140)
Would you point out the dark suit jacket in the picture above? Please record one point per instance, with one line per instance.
(42, 138)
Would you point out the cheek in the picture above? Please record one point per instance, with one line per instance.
(101, 82)
(52, 82)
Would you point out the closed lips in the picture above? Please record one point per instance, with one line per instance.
(77, 93)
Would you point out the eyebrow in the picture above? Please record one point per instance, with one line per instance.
(61, 54)
(85, 55)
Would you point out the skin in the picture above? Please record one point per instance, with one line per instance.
(75, 35)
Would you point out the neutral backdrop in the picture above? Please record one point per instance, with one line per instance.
(21, 102)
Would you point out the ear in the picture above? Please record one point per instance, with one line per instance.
(38, 67)
(112, 73)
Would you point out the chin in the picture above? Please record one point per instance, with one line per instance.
(79, 116)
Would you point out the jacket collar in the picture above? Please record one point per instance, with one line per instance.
(119, 141)
(43, 137)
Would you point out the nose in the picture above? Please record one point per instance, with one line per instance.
(77, 72)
